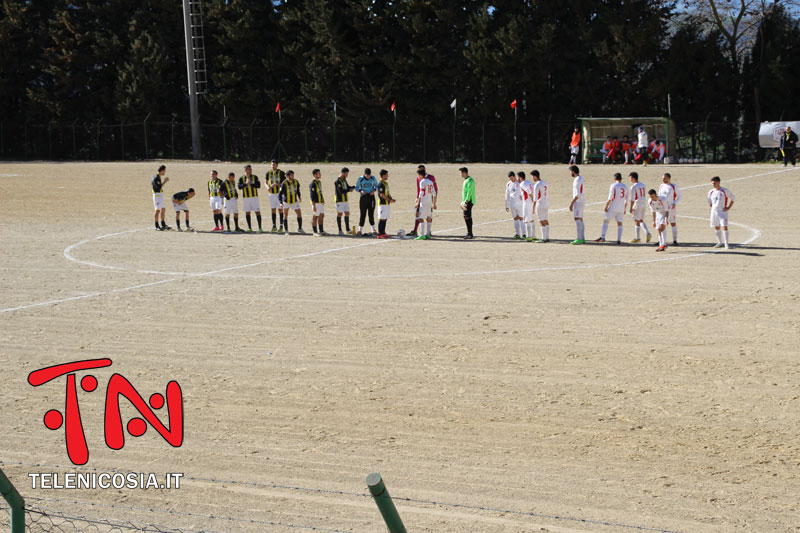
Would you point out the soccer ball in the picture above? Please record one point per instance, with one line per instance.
(401, 233)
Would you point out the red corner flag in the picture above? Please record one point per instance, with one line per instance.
(278, 107)
(514, 104)
(393, 106)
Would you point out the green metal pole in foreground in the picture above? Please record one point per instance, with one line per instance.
(384, 503)
(16, 503)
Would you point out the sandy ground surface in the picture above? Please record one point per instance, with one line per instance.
(496, 385)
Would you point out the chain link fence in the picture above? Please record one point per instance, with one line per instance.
(430, 141)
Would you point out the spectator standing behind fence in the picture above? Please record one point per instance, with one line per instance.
(643, 144)
(788, 145)
(366, 187)
(574, 147)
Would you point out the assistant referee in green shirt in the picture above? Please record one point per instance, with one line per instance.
(467, 200)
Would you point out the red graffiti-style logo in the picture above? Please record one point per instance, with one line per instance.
(118, 386)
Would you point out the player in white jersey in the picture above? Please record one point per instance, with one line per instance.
(615, 207)
(514, 203)
(660, 210)
(578, 203)
(526, 193)
(672, 194)
(426, 203)
(638, 197)
(541, 204)
(720, 200)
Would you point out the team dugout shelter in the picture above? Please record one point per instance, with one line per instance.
(594, 131)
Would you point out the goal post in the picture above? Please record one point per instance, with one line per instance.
(14, 501)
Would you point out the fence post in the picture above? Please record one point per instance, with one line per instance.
(122, 138)
(16, 503)
(2, 140)
(334, 138)
(425, 139)
(50, 138)
(483, 139)
(74, 140)
(26, 137)
(385, 503)
(364, 143)
(98, 138)
(548, 136)
(224, 139)
(144, 125)
(172, 134)
(305, 138)
(250, 155)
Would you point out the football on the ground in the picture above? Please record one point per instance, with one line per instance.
(401, 233)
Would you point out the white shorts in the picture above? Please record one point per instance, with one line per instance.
(718, 217)
(342, 207)
(638, 213)
(516, 209)
(541, 213)
(180, 207)
(274, 201)
(383, 212)
(574, 149)
(619, 216)
(425, 211)
(295, 206)
(527, 211)
(251, 204)
(158, 200)
(673, 211)
(231, 206)
(215, 202)
(317, 209)
(577, 209)
(661, 219)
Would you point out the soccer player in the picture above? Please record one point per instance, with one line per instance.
(249, 185)
(158, 183)
(421, 176)
(514, 203)
(426, 203)
(231, 195)
(659, 208)
(659, 151)
(574, 147)
(541, 205)
(615, 207)
(788, 145)
(366, 186)
(642, 144)
(608, 146)
(274, 180)
(289, 197)
(578, 203)
(342, 205)
(384, 202)
(179, 204)
(638, 193)
(720, 200)
(467, 200)
(626, 149)
(215, 186)
(672, 194)
(526, 193)
(317, 203)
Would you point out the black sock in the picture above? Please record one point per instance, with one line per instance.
(381, 227)
(228, 221)
(157, 226)
(258, 218)
(347, 223)
(163, 224)
(187, 222)
(314, 228)
(273, 219)
(469, 226)
(299, 223)
(249, 224)
(339, 222)
(282, 220)
(236, 221)
(320, 227)
(178, 223)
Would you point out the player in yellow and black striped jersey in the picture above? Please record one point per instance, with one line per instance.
(179, 200)
(289, 197)
(317, 203)
(384, 201)
(158, 183)
(274, 179)
(249, 186)
(342, 189)
(231, 195)
(215, 199)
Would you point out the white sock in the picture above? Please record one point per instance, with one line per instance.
(644, 225)
(605, 228)
(718, 235)
(674, 233)
(360, 228)
(619, 233)
(725, 236)
(662, 238)
(637, 231)
(528, 232)
(546, 232)
(516, 226)
(582, 230)
(429, 228)
(373, 229)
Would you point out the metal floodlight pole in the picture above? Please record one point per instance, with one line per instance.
(193, 113)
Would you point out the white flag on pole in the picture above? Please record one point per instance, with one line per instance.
(453, 104)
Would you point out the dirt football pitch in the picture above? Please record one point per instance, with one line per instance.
(496, 385)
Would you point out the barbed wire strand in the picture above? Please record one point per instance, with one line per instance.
(262, 484)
